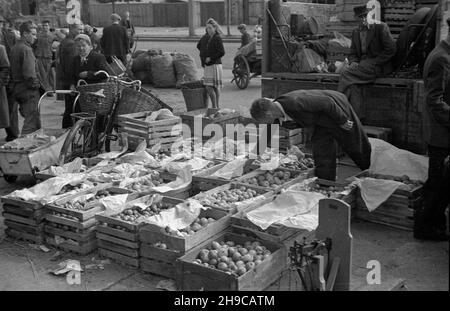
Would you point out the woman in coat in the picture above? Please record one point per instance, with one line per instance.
(211, 53)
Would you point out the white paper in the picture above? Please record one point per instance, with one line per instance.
(114, 204)
(387, 159)
(376, 191)
(197, 164)
(308, 221)
(72, 167)
(178, 217)
(159, 115)
(287, 204)
(232, 169)
(139, 156)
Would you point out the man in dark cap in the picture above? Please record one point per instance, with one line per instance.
(114, 41)
(371, 52)
(430, 219)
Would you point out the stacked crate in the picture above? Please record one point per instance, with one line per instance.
(397, 13)
(160, 250)
(24, 219)
(165, 132)
(119, 239)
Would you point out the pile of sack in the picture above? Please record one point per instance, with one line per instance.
(163, 69)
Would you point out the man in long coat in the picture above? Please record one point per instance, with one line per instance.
(372, 49)
(429, 219)
(114, 41)
(44, 56)
(331, 116)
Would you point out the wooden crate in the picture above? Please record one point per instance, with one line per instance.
(242, 205)
(203, 181)
(299, 176)
(24, 220)
(165, 132)
(152, 234)
(191, 276)
(190, 117)
(119, 239)
(397, 211)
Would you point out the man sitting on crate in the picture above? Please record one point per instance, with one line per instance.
(331, 116)
(372, 49)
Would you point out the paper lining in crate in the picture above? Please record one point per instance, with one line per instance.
(70, 221)
(398, 209)
(118, 230)
(232, 197)
(253, 264)
(23, 219)
(277, 232)
(171, 185)
(221, 174)
(161, 246)
(165, 132)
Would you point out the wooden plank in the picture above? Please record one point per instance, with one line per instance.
(37, 215)
(21, 203)
(117, 222)
(81, 215)
(118, 241)
(156, 253)
(25, 228)
(38, 239)
(133, 262)
(82, 250)
(19, 219)
(118, 233)
(79, 237)
(71, 223)
(158, 268)
(118, 249)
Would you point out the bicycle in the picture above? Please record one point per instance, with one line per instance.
(93, 129)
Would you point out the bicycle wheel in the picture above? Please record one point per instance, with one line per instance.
(80, 142)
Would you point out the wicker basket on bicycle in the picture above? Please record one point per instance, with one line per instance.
(100, 103)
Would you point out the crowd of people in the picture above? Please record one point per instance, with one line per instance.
(35, 59)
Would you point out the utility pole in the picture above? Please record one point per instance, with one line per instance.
(228, 15)
(191, 17)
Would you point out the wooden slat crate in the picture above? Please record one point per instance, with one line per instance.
(233, 208)
(397, 211)
(190, 117)
(203, 181)
(162, 261)
(296, 177)
(165, 132)
(119, 239)
(24, 219)
(192, 276)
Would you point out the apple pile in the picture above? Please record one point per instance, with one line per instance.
(300, 164)
(143, 183)
(197, 225)
(225, 199)
(271, 179)
(233, 258)
(133, 213)
(65, 216)
(83, 205)
(329, 191)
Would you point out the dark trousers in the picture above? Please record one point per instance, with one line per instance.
(13, 130)
(431, 214)
(28, 99)
(354, 142)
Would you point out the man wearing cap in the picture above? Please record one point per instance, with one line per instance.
(25, 79)
(114, 41)
(372, 49)
(44, 55)
(245, 36)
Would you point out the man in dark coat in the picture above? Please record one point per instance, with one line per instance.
(114, 41)
(44, 55)
(372, 49)
(429, 219)
(331, 116)
(130, 28)
(25, 79)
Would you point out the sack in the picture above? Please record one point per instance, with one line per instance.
(144, 76)
(308, 61)
(138, 52)
(163, 72)
(141, 63)
(185, 68)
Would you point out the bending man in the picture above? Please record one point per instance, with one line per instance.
(331, 116)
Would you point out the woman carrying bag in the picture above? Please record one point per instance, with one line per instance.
(211, 53)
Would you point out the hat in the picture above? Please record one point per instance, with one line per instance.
(116, 17)
(361, 10)
(83, 37)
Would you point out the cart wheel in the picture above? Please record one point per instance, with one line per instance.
(241, 72)
(79, 142)
(10, 178)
